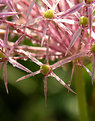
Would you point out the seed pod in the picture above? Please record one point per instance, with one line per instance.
(45, 69)
(49, 14)
(83, 20)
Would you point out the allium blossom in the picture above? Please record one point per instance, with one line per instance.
(5, 56)
(57, 29)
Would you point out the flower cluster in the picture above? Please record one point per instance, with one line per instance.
(57, 29)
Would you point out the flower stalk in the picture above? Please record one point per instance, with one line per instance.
(81, 94)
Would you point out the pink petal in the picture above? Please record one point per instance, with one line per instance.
(45, 89)
(18, 65)
(90, 20)
(72, 74)
(72, 10)
(5, 75)
(44, 34)
(9, 2)
(15, 44)
(5, 14)
(69, 59)
(62, 82)
(47, 3)
(88, 71)
(29, 75)
(31, 57)
(74, 39)
(6, 39)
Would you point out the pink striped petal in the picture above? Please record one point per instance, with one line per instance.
(90, 20)
(69, 59)
(5, 75)
(62, 82)
(74, 39)
(9, 2)
(47, 3)
(71, 10)
(29, 75)
(5, 14)
(15, 44)
(6, 40)
(45, 89)
(18, 65)
(31, 57)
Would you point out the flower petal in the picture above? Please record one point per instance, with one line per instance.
(71, 10)
(5, 75)
(29, 75)
(18, 65)
(62, 82)
(74, 39)
(31, 57)
(69, 59)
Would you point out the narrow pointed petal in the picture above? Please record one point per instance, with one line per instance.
(6, 39)
(29, 75)
(34, 21)
(55, 4)
(45, 89)
(93, 68)
(88, 71)
(5, 14)
(74, 39)
(44, 34)
(30, 8)
(18, 65)
(9, 3)
(72, 75)
(5, 75)
(31, 57)
(69, 59)
(47, 3)
(72, 10)
(62, 26)
(62, 82)
(67, 21)
(71, 5)
(15, 44)
(90, 20)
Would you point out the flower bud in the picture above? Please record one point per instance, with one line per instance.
(83, 20)
(49, 14)
(45, 69)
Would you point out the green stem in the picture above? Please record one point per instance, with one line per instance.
(81, 96)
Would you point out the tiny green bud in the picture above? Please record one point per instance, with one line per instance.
(2, 56)
(93, 48)
(83, 20)
(49, 14)
(45, 69)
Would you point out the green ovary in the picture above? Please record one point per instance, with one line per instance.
(49, 14)
(45, 69)
(83, 20)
